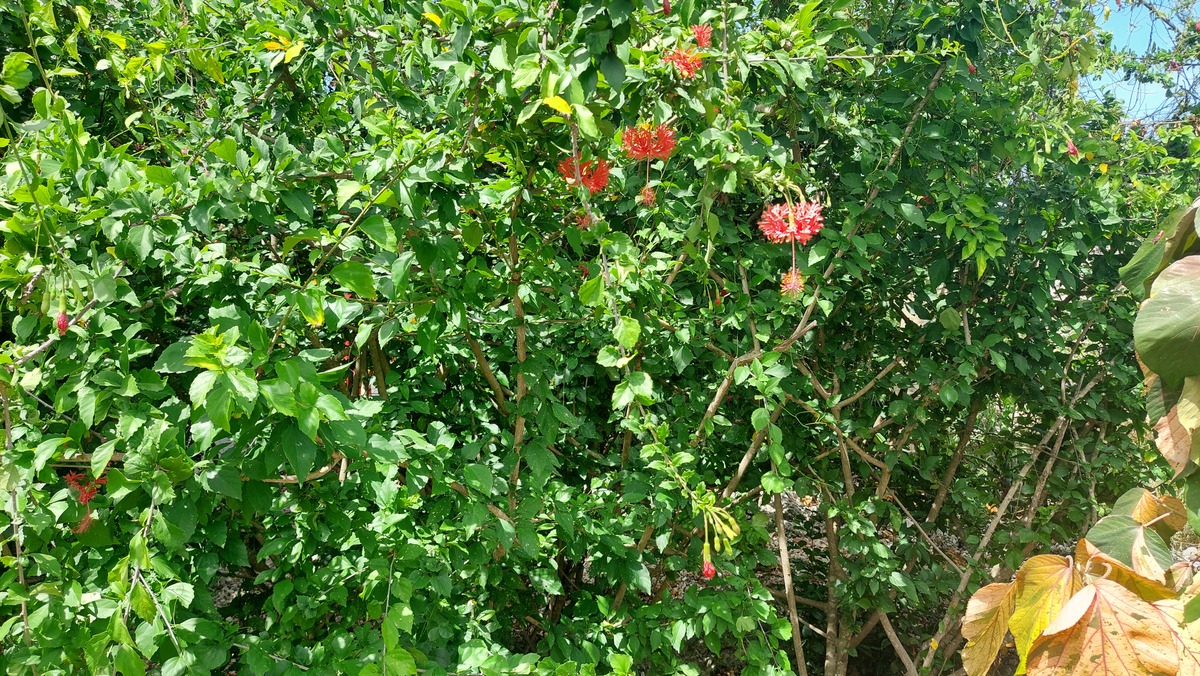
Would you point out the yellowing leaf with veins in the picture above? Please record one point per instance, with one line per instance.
(1044, 585)
(1174, 441)
(986, 624)
(1106, 629)
(558, 103)
(1098, 564)
(1185, 645)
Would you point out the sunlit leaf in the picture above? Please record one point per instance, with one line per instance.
(1106, 629)
(985, 625)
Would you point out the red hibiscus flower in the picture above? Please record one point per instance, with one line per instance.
(703, 34)
(644, 142)
(684, 61)
(594, 175)
(800, 223)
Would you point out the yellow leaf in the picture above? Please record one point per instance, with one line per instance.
(1103, 168)
(558, 103)
(985, 625)
(1044, 585)
(434, 18)
(293, 51)
(1090, 156)
(273, 46)
(1106, 628)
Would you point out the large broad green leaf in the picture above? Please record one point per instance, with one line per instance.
(1175, 237)
(1106, 629)
(356, 277)
(1044, 585)
(985, 625)
(1131, 543)
(1167, 330)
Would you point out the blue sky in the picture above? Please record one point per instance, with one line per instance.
(1135, 30)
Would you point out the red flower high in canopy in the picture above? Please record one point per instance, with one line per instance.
(594, 178)
(644, 142)
(798, 223)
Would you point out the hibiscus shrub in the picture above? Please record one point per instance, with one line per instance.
(504, 337)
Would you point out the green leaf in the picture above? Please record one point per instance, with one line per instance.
(1121, 537)
(226, 149)
(312, 306)
(586, 122)
(347, 189)
(357, 277)
(159, 175)
(297, 447)
(380, 231)
(614, 71)
(912, 213)
(478, 477)
(101, 456)
(128, 662)
(591, 292)
(17, 73)
(627, 332)
(226, 480)
(279, 396)
(641, 577)
(300, 204)
(546, 581)
(760, 419)
(1166, 332)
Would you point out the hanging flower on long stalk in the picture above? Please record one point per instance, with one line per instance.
(648, 143)
(645, 142)
(791, 223)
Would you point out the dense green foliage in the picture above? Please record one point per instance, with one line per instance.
(340, 338)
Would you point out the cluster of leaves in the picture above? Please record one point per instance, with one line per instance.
(367, 381)
(1123, 600)
(1122, 604)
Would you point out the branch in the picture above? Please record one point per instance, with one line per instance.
(867, 388)
(748, 457)
(496, 511)
(785, 565)
(909, 667)
(486, 369)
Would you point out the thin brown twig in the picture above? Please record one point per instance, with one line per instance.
(901, 652)
(785, 566)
